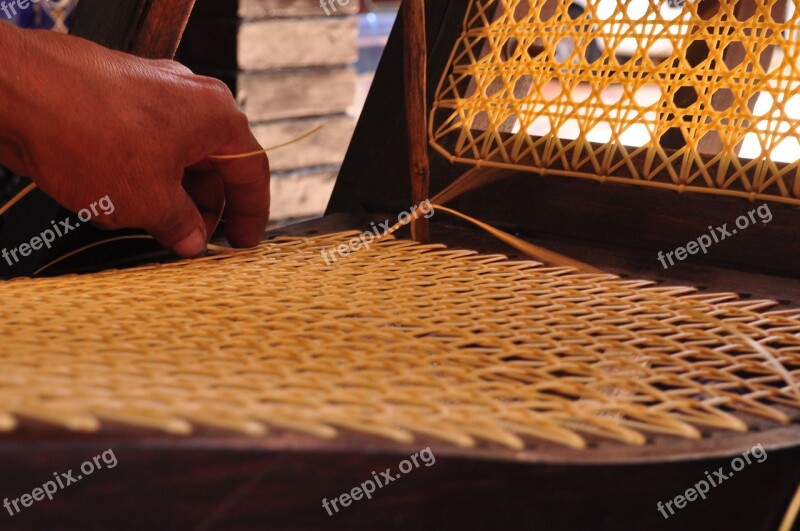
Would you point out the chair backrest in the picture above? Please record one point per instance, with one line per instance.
(693, 105)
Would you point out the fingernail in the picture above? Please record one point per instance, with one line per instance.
(191, 246)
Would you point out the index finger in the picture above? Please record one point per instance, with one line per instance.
(247, 197)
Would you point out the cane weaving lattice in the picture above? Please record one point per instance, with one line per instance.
(701, 97)
(395, 340)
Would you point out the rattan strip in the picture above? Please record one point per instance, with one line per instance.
(576, 115)
(396, 340)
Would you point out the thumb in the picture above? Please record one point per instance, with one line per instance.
(182, 230)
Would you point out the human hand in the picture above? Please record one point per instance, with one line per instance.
(86, 122)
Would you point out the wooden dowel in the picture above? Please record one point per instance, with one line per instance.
(162, 28)
(415, 68)
(146, 28)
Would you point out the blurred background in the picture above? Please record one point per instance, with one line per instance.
(293, 67)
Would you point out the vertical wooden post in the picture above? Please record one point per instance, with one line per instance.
(147, 28)
(415, 66)
(162, 28)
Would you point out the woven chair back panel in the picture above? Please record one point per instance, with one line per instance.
(696, 96)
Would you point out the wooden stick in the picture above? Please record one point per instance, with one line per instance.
(415, 68)
(147, 28)
(162, 28)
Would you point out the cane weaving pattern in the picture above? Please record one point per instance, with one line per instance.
(394, 341)
(702, 97)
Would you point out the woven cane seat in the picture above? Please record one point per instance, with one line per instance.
(395, 341)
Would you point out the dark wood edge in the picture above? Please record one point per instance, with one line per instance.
(180, 486)
(33, 437)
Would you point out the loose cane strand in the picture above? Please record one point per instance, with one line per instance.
(792, 511)
(17, 198)
(210, 246)
(267, 150)
(477, 177)
(91, 246)
(534, 251)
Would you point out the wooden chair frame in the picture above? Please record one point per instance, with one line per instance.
(216, 480)
(375, 176)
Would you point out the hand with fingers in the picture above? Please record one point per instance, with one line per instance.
(142, 132)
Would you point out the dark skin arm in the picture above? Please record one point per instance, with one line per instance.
(139, 131)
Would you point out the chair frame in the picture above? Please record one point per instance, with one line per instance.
(629, 218)
(231, 481)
